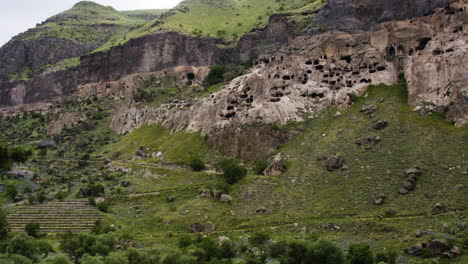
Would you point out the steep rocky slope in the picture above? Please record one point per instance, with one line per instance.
(67, 35)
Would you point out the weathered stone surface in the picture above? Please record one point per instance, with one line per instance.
(209, 227)
(276, 167)
(225, 198)
(334, 162)
(65, 120)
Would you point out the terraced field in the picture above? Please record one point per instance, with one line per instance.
(54, 217)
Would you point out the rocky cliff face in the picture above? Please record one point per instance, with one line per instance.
(364, 14)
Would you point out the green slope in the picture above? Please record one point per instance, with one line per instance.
(90, 23)
(229, 19)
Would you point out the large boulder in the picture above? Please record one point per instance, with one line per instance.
(225, 198)
(276, 167)
(334, 162)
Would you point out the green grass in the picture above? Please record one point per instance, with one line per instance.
(229, 20)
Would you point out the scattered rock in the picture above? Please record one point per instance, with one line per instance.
(170, 199)
(419, 234)
(261, 210)
(338, 114)
(205, 193)
(209, 227)
(334, 162)
(196, 228)
(413, 172)
(437, 247)
(276, 167)
(225, 198)
(125, 184)
(369, 109)
(415, 250)
(438, 208)
(403, 191)
(408, 185)
(380, 124)
(46, 143)
(379, 199)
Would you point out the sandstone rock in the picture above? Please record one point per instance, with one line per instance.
(408, 185)
(369, 109)
(65, 120)
(205, 193)
(276, 167)
(415, 250)
(437, 247)
(403, 191)
(225, 198)
(379, 199)
(413, 172)
(196, 228)
(209, 227)
(380, 124)
(334, 162)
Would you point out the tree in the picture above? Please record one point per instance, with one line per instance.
(14, 259)
(360, 254)
(23, 245)
(324, 252)
(57, 259)
(215, 76)
(32, 229)
(5, 159)
(11, 192)
(87, 259)
(116, 258)
(21, 154)
(232, 171)
(4, 227)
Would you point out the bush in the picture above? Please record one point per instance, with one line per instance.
(388, 257)
(260, 166)
(5, 158)
(259, 238)
(232, 171)
(61, 195)
(197, 164)
(215, 76)
(4, 229)
(32, 229)
(21, 154)
(14, 259)
(103, 207)
(360, 254)
(11, 192)
(324, 252)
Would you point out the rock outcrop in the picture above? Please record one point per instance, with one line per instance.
(364, 14)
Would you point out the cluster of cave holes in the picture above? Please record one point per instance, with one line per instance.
(244, 99)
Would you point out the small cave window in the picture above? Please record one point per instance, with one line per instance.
(190, 76)
(422, 43)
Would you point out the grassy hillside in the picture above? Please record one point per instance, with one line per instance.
(91, 23)
(305, 200)
(214, 18)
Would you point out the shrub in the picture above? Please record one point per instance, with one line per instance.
(4, 228)
(14, 259)
(103, 207)
(21, 154)
(197, 164)
(32, 229)
(388, 257)
(215, 76)
(259, 238)
(360, 254)
(5, 159)
(324, 252)
(232, 171)
(11, 192)
(260, 166)
(184, 241)
(61, 195)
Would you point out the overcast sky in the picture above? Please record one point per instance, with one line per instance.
(17, 16)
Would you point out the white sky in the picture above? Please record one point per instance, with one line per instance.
(17, 16)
